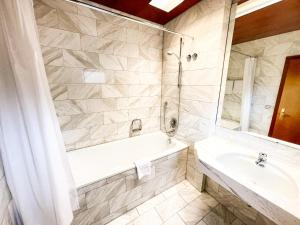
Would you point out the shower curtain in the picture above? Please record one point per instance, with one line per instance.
(32, 149)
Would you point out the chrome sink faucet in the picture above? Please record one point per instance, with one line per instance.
(262, 158)
(136, 126)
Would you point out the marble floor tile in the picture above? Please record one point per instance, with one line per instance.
(171, 206)
(174, 190)
(181, 204)
(194, 212)
(149, 218)
(150, 204)
(126, 218)
(174, 220)
(189, 193)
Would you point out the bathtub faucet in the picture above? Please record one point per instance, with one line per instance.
(136, 126)
(262, 158)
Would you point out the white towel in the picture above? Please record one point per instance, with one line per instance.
(143, 168)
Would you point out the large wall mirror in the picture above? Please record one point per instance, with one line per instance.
(262, 93)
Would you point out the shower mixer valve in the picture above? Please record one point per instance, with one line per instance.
(173, 123)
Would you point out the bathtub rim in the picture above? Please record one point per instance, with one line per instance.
(180, 146)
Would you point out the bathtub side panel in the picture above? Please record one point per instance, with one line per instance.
(107, 199)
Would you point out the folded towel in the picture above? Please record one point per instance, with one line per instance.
(143, 168)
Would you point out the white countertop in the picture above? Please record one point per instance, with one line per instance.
(225, 156)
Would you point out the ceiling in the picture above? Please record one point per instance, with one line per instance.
(142, 9)
(275, 19)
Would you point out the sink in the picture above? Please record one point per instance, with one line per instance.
(270, 177)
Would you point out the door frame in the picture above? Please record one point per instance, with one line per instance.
(279, 95)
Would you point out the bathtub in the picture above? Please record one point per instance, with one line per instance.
(106, 178)
(101, 161)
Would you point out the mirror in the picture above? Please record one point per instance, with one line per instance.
(262, 93)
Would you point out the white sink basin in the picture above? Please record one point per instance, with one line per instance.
(272, 190)
(269, 177)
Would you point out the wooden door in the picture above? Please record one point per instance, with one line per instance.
(286, 118)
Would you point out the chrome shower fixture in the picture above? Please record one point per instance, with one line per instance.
(172, 53)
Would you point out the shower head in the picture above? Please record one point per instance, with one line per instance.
(172, 53)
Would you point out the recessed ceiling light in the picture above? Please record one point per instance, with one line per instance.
(165, 5)
(253, 5)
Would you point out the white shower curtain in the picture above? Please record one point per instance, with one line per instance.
(31, 144)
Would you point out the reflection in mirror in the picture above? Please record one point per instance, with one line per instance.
(262, 93)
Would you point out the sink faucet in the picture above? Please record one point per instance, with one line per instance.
(136, 126)
(262, 158)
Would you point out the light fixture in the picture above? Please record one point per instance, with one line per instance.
(165, 5)
(253, 5)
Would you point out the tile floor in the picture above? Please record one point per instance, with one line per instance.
(179, 205)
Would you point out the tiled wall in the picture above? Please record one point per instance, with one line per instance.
(103, 72)
(271, 53)
(208, 23)
(5, 199)
(109, 198)
(239, 208)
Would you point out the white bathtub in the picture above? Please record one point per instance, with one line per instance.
(98, 162)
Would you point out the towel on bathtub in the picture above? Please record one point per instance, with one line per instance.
(143, 168)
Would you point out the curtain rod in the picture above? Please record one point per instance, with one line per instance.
(156, 26)
(242, 53)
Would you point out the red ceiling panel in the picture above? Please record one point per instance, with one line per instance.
(142, 9)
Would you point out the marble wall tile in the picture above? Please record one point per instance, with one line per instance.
(126, 77)
(82, 218)
(208, 24)
(61, 5)
(127, 50)
(52, 56)
(51, 37)
(99, 45)
(200, 93)
(111, 31)
(150, 53)
(139, 65)
(73, 136)
(101, 105)
(150, 78)
(79, 91)
(115, 116)
(62, 75)
(113, 62)
(58, 91)
(115, 91)
(105, 193)
(237, 207)
(200, 77)
(98, 58)
(125, 198)
(99, 211)
(145, 39)
(82, 121)
(81, 59)
(103, 132)
(75, 23)
(88, 12)
(70, 107)
(45, 15)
